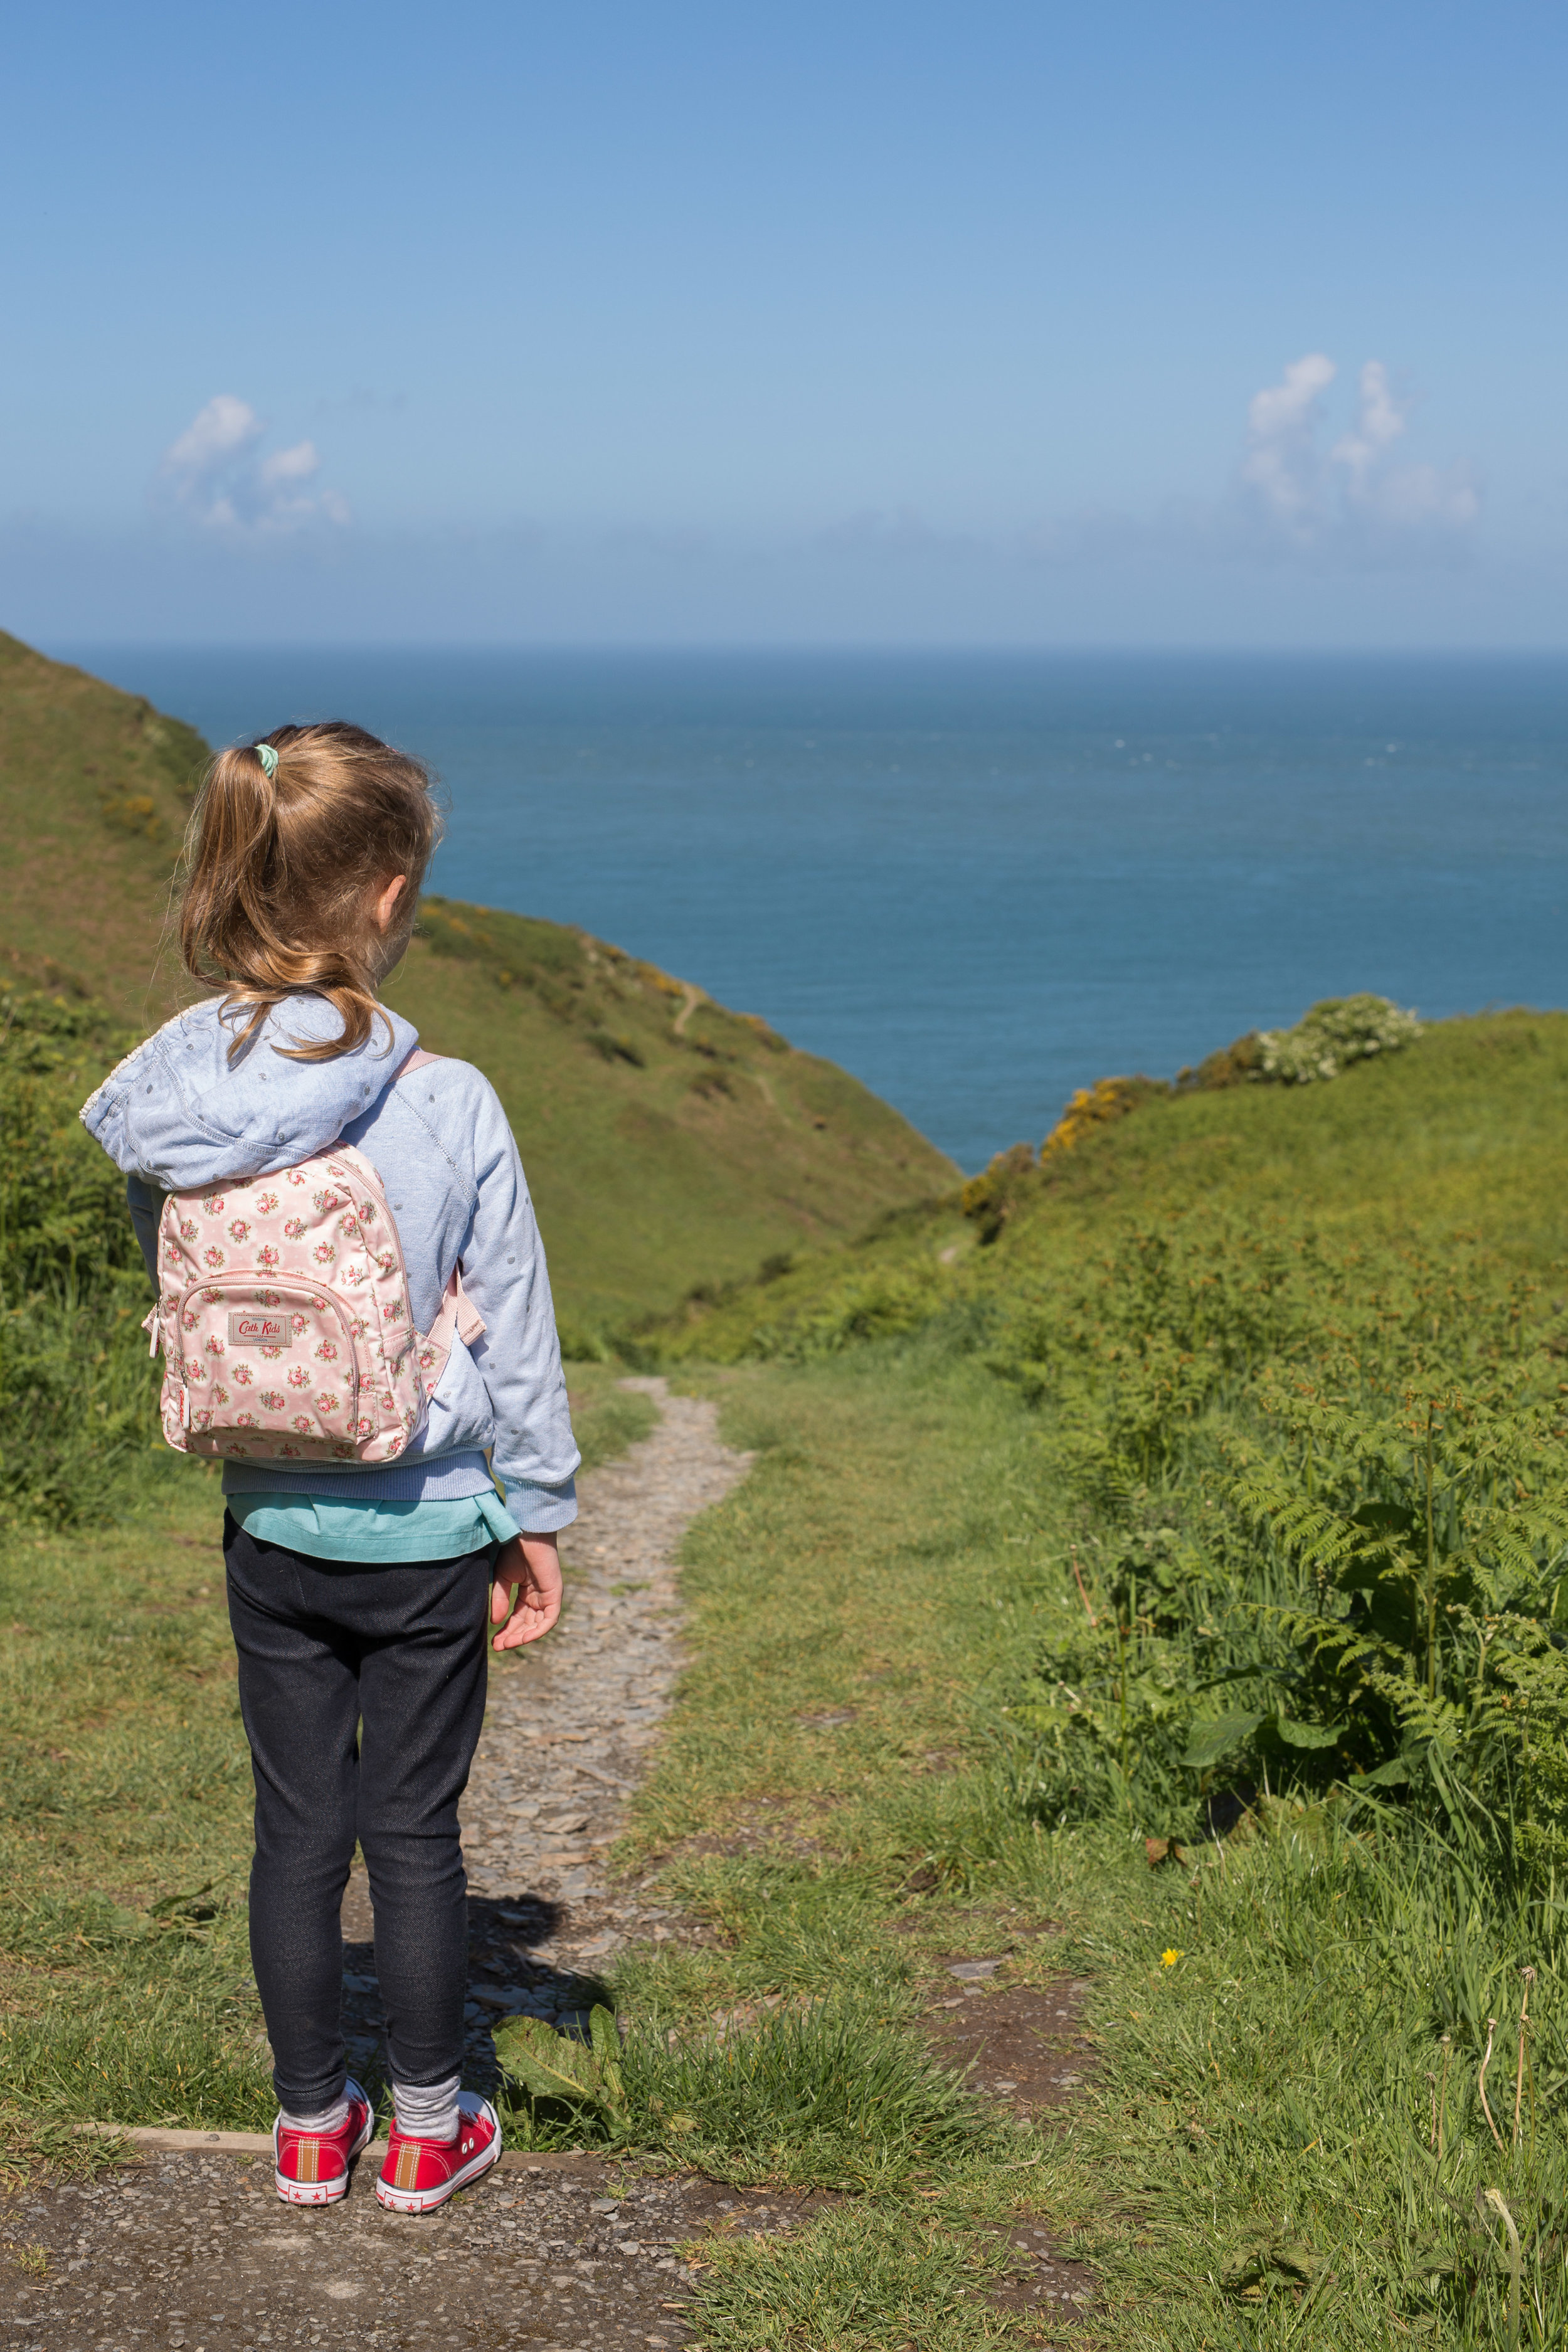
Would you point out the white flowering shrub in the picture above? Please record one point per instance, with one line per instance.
(1339, 1031)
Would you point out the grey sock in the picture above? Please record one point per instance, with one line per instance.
(330, 2119)
(427, 2110)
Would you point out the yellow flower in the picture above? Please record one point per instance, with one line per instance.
(1168, 1960)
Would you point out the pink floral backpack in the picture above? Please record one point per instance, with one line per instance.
(283, 1311)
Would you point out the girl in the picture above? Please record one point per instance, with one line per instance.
(358, 1595)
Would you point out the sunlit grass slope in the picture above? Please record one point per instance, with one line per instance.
(669, 1142)
(1465, 1133)
(1467, 1127)
(95, 789)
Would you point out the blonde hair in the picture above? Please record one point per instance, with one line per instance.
(283, 860)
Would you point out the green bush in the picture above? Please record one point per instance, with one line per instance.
(1339, 1031)
(77, 1389)
(1324, 1497)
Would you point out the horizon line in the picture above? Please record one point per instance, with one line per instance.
(911, 648)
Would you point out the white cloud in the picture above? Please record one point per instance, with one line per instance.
(1321, 491)
(295, 464)
(1282, 468)
(1355, 498)
(214, 472)
(1376, 429)
(215, 435)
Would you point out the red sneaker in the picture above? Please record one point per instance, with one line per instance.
(420, 2174)
(312, 2167)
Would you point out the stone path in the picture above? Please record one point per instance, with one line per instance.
(569, 1726)
(196, 2252)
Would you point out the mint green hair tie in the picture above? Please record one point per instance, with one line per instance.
(269, 759)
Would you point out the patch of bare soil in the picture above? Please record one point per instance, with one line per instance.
(1023, 2047)
(1043, 2284)
(1019, 2044)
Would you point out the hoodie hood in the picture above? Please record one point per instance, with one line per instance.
(178, 1113)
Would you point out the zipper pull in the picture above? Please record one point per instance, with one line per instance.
(150, 1323)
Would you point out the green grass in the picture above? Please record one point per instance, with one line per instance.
(833, 2097)
(606, 1418)
(127, 1784)
(869, 2275)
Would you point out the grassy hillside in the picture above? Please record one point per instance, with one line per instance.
(1462, 1135)
(95, 789)
(669, 1143)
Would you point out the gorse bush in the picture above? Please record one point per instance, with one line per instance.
(1096, 1107)
(77, 1390)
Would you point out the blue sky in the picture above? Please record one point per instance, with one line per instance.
(842, 322)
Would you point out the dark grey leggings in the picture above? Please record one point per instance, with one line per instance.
(325, 1645)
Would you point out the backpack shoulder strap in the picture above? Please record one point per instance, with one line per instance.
(458, 1317)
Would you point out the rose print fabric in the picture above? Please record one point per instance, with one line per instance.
(283, 1313)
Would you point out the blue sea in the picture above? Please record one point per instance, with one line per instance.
(979, 882)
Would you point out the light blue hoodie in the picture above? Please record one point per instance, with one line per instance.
(178, 1116)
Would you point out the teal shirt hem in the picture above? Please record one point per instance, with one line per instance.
(324, 1529)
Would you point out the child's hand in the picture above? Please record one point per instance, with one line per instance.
(525, 1596)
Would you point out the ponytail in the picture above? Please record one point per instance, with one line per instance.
(288, 843)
